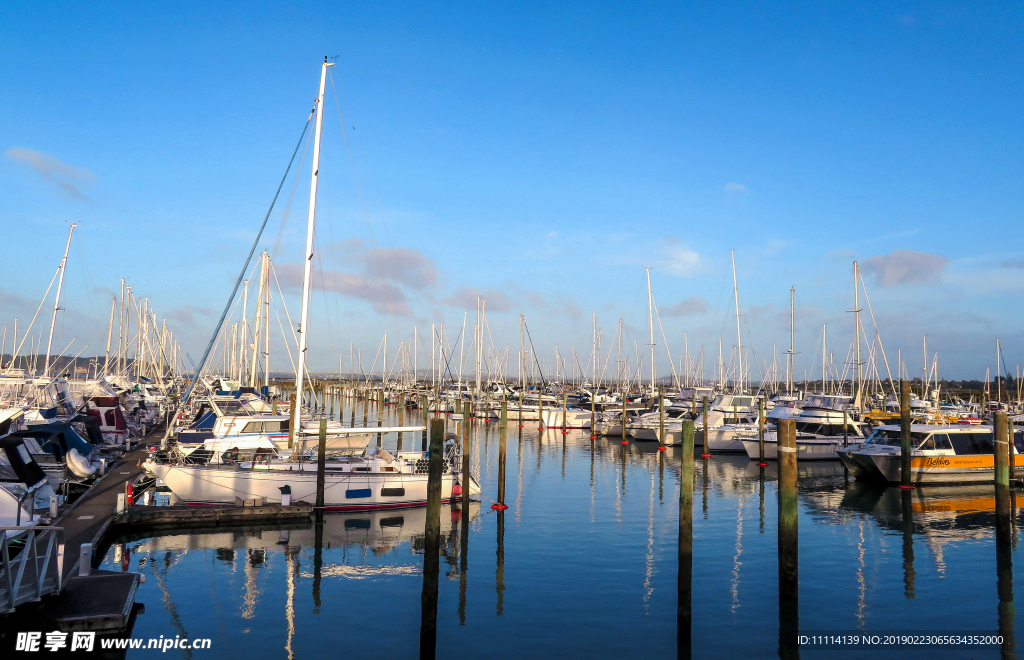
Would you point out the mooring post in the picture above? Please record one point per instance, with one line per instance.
(426, 422)
(540, 407)
(500, 504)
(684, 613)
(1001, 438)
(291, 422)
(465, 468)
(565, 429)
(661, 419)
(593, 413)
(906, 474)
(380, 414)
(1011, 450)
(321, 460)
(432, 543)
(789, 582)
(760, 433)
(84, 560)
(623, 416)
(704, 416)
(504, 413)
(401, 421)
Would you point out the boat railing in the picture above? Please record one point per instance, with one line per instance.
(31, 564)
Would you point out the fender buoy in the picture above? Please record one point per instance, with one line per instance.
(80, 465)
(457, 489)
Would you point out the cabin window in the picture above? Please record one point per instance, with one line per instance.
(387, 469)
(928, 444)
(111, 419)
(942, 441)
(971, 443)
(362, 469)
(252, 427)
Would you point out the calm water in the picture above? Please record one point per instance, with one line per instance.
(589, 569)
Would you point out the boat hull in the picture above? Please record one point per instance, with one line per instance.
(342, 491)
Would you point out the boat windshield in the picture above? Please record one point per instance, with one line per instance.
(826, 403)
(893, 437)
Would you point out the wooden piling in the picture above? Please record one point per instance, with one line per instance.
(465, 465)
(906, 475)
(704, 416)
(502, 432)
(321, 458)
(1001, 447)
(432, 544)
(504, 413)
(661, 419)
(684, 608)
(291, 423)
(425, 408)
(401, 422)
(789, 582)
(623, 417)
(760, 433)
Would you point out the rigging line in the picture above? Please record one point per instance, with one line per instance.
(362, 201)
(534, 351)
(28, 330)
(241, 274)
(359, 147)
(885, 359)
(291, 196)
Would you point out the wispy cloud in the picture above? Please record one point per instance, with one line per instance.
(901, 267)
(732, 186)
(54, 171)
(383, 295)
(409, 267)
(1013, 263)
(678, 259)
(465, 298)
(687, 307)
(186, 314)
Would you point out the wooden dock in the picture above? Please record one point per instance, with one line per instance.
(192, 517)
(89, 518)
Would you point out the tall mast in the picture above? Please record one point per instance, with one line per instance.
(593, 357)
(308, 261)
(650, 320)
(110, 332)
(823, 376)
(480, 307)
(739, 339)
(56, 302)
(856, 311)
(792, 339)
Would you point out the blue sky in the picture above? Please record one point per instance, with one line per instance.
(541, 154)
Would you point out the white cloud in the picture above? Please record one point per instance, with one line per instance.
(732, 186)
(678, 259)
(688, 307)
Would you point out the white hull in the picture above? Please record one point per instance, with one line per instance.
(342, 492)
(806, 450)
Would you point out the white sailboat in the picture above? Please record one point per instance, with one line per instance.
(375, 479)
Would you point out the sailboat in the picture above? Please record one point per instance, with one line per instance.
(374, 479)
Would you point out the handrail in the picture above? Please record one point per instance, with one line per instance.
(31, 564)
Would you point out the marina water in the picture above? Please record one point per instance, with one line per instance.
(583, 564)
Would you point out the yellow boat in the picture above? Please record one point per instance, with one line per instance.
(941, 454)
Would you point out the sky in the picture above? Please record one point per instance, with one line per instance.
(540, 155)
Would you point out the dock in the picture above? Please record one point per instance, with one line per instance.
(193, 517)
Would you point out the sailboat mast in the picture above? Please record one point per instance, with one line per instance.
(650, 320)
(56, 302)
(792, 339)
(739, 339)
(307, 265)
(856, 311)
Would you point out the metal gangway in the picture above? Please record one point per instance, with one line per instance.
(31, 564)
